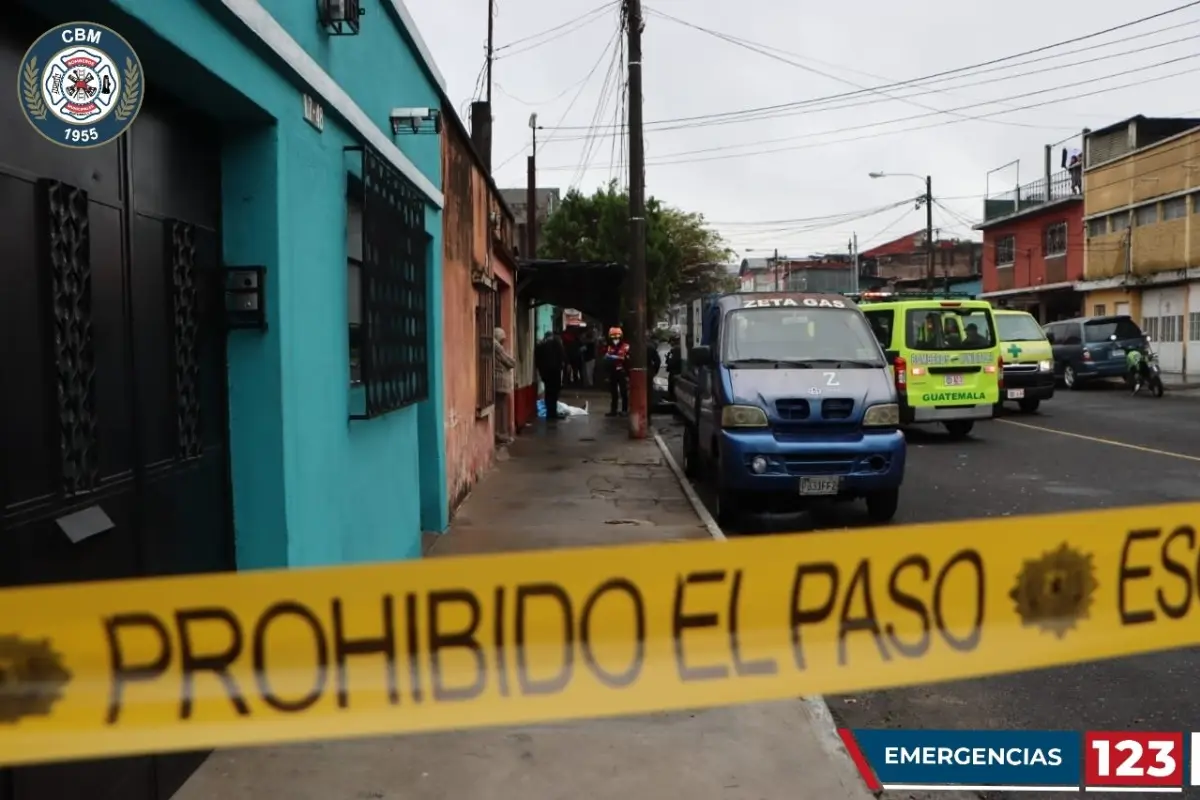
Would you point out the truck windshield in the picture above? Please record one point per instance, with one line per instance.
(950, 328)
(795, 336)
(1018, 328)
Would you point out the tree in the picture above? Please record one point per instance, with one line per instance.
(684, 257)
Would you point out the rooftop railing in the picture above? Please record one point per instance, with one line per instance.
(1033, 194)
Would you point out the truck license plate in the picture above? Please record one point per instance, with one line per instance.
(954, 380)
(1016, 394)
(820, 485)
(1117, 353)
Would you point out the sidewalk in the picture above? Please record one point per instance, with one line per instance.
(580, 482)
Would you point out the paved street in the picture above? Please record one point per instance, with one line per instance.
(1050, 461)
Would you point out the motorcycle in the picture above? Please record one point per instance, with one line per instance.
(1148, 376)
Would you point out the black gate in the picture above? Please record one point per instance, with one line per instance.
(113, 432)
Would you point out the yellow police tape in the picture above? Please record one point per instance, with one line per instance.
(267, 657)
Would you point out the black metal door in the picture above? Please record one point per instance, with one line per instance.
(112, 379)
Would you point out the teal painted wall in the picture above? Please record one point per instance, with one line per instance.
(543, 320)
(311, 487)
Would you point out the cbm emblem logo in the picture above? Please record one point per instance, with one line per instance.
(80, 85)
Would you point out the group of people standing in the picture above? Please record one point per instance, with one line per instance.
(553, 358)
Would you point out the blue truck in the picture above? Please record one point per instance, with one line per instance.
(787, 400)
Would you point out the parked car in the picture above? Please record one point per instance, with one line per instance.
(1088, 348)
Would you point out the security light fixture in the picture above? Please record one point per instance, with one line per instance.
(340, 17)
(415, 120)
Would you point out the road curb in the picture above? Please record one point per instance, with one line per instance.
(815, 708)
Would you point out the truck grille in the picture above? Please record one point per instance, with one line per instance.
(820, 464)
(1020, 368)
(836, 408)
(792, 409)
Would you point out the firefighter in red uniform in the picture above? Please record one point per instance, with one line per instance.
(616, 357)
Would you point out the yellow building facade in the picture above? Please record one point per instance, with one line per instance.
(1141, 188)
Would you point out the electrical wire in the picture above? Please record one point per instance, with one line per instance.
(838, 131)
(612, 79)
(764, 51)
(739, 113)
(582, 84)
(918, 116)
(570, 26)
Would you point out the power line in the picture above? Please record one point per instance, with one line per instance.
(612, 79)
(897, 84)
(582, 84)
(922, 127)
(763, 51)
(578, 22)
(972, 105)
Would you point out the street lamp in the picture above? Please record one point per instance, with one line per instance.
(928, 200)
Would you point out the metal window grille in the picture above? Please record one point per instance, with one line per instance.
(485, 362)
(66, 256)
(1056, 239)
(1194, 326)
(395, 316)
(1006, 250)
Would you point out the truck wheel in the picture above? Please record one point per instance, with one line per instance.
(691, 452)
(881, 506)
(1030, 404)
(960, 428)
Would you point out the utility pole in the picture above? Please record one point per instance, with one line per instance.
(639, 385)
(930, 277)
(854, 262)
(491, 41)
(531, 220)
(775, 263)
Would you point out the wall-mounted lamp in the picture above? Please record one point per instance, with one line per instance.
(415, 120)
(340, 17)
(245, 298)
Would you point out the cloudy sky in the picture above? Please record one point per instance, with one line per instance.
(767, 115)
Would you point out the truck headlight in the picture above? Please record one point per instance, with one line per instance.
(743, 417)
(1045, 366)
(886, 415)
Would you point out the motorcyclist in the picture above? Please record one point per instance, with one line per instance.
(1137, 364)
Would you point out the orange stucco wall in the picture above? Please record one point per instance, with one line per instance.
(472, 253)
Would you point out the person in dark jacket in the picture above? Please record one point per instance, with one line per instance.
(550, 358)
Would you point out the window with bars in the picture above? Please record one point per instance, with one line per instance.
(1006, 251)
(1056, 240)
(393, 345)
(1194, 326)
(354, 253)
(1099, 310)
(1146, 215)
(1175, 208)
(485, 360)
(1098, 227)
(1120, 221)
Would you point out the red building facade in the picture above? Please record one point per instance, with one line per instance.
(1033, 258)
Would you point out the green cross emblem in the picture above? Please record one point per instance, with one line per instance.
(1014, 351)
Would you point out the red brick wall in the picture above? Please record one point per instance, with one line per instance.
(1031, 267)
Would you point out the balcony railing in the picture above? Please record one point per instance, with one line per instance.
(1028, 196)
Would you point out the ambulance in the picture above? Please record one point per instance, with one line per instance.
(945, 356)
